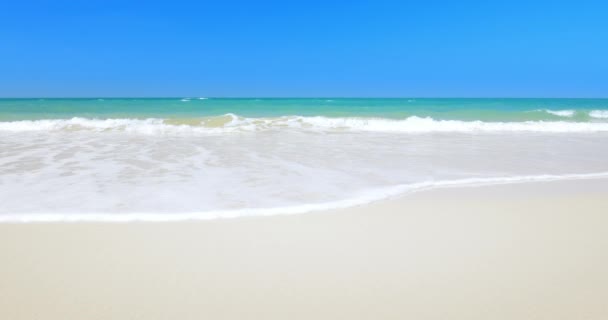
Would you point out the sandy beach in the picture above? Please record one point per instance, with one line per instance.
(519, 251)
(289, 160)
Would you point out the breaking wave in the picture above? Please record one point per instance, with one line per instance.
(599, 114)
(233, 123)
(561, 113)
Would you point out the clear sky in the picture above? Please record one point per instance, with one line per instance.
(304, 48)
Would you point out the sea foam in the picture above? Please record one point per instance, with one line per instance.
(233, 123)
(561, 113)
(367, 198)
(165, 169)
(599, 114)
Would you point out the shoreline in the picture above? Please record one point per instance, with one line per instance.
(516, 251)
(378, 196)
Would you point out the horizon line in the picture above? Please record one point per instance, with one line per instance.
(296, 97)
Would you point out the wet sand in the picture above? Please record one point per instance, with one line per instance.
(520, 251)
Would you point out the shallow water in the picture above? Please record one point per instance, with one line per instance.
(60, 166)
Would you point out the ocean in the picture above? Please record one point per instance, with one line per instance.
(126, 159)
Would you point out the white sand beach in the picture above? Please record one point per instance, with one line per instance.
(519, 251)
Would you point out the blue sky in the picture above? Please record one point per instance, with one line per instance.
(308, 48)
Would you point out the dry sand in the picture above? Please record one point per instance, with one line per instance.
(521, 251)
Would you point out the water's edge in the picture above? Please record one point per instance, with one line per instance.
(372, 197)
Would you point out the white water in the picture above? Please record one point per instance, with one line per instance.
(561, 113)
(599, 114)
(232, 123)
(305, 208)
(124, 170)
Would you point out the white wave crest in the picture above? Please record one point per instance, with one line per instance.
(561, 113)
(599, 114)
(232, 123)
(423, 125)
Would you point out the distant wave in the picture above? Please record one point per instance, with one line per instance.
(369, 197)
(561, 113)
(234, 123)
(599, 114)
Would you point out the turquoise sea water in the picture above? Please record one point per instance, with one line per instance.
(398, 108)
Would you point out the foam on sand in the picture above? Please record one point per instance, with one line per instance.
(369, 197)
